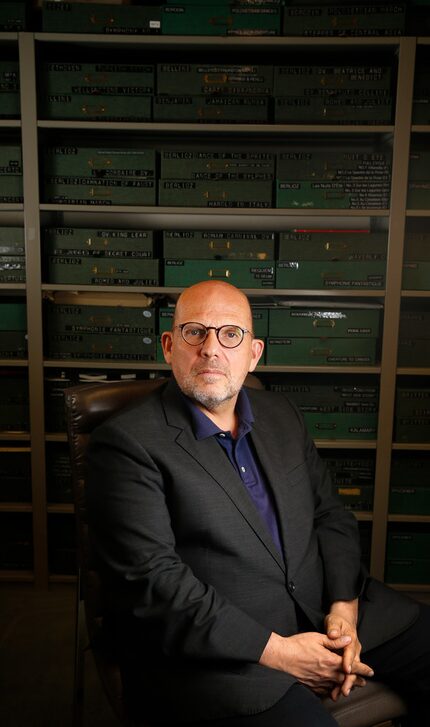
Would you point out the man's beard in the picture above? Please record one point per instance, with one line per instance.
(207, 399)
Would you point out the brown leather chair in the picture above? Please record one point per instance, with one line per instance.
(87, 406)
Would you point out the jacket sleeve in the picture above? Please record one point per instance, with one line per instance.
(134, 544)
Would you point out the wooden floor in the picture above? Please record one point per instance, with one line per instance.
(36, 661)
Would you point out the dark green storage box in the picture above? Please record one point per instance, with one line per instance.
(96, 107)
(204, 79)
(72, 17)
(243, 274)
(326, 425)
(217, 165)
(100, 320)
(9, 89)
(339, 165)
(14, 412)
(323, 80)
(355, 497)
(333, 245)
(92, 242)
(218, 244)
(321, 351)
(58, 474)
(16, 541)
(109, 79)
(332, 195)
(260, 320)
(221, 19)
(13, 317)
(13, 16)
(195, 193)
(407, 570)
(84, 190)
(355, 19)
(102, 271)
(15, 475)
(101, 347)
(336, 109)
(317, 321)
(410, 500)
(211, 109)
(100, 163)
(304, 274)
(413, 352)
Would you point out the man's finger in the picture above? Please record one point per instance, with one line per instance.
(340, 643)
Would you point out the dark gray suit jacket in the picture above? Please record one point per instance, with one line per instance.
(194, 583)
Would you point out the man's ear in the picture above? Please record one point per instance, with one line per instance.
(167, 343)
(257, 348)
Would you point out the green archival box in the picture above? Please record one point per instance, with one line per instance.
(321, 351)
(326, 425)
(84, 190)
(337, 322)
(211, 109)
(314, 80)
(12, 269)
(96, 107)
(333, 195)
(13, 16)
(298, 274)
(71, 17)
(413, 352)
(98, 242)
(13, 316)
(109, 79)
(213, 165)
(195, 193)
(13, 344)
(329, 393)
(12, 241)
(221, 19)
(102, 270)
(416, 275)
(338, 165)
(415, 323)
(408, 543)
(242, 273)
(333, 245)
(410, 499)
(336, 109)
(100, 164)
(218, 244)
(121, 320)
(407, 570)
(355, 19)
(204, 79)
(106, 346)
(412, 401)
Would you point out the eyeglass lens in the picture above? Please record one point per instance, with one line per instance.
(196, 333)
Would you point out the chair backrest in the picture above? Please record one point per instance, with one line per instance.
(87, 406)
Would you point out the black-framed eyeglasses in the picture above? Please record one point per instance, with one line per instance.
(229, 336)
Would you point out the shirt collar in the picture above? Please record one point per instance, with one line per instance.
(203, 427)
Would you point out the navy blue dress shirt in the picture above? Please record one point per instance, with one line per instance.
(243, 457)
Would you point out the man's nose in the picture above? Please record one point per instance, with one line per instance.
(210, 345)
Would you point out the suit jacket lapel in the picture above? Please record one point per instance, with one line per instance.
(212, 459)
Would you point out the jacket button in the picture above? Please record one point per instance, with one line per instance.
(291, 586)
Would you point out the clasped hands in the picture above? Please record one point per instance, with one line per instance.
(329, 664)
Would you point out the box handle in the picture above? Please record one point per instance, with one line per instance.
(219, 273)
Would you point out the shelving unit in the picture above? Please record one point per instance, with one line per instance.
(35, 214)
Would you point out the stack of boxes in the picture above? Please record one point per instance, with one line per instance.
(237, 17)
(11, 189)
(333, 408)
(14, 414)
(353, 478)
(343, 19)
(416, 261)
(407, 555)
(97, 91)
(213, 93)
(412, 414)
(330, 259)
(94, 175)
(226, 18)
(13, 330)
(414, 338)
(245, 259)
(9, 90)
(12, 255)
(100, 328)
(339, 335)
(110, 19)
(333, 179)
(410, 484)
(419, 179)
(208, 178)
(100, 256)
(333, 94)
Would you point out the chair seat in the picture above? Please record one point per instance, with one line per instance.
(368, 706)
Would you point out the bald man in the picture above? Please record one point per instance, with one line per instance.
(233, 580)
